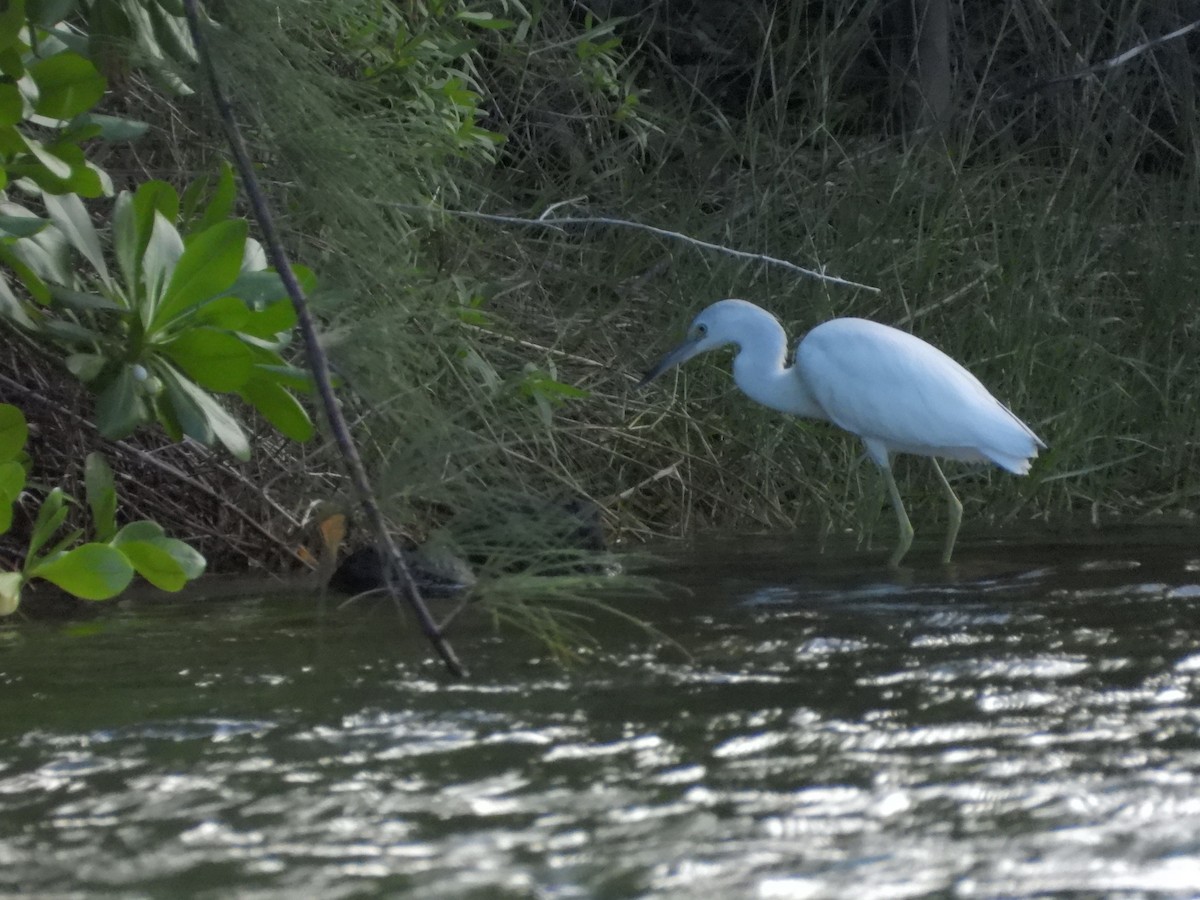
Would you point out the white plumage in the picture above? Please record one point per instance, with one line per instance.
(896, 392)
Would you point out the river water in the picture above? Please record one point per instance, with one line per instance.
(1025, 723)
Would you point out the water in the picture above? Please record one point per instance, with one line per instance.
(1028, 723)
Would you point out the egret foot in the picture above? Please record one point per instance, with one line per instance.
(905, 526)
(954, 509)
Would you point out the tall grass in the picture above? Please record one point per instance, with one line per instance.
(1046, 240)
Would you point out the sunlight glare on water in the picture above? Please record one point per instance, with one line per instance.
(1025, 723)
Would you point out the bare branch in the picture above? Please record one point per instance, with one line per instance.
(559, 222)
(400, 582)
(1111, 63)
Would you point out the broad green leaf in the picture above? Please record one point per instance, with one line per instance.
(51, 515)
(12, 20)
(278, 318)
(155, 564)
(11, 61)
(141, 530)
(13, 432)
(12, 482)
(86, 366)
(120, 407)
(54, 165)
(220, 205)
(101, 496)
(226, 312)
(21, 226)
(159, 196)
(214, 359)
(133, 223)
(81, 302)
(11, 306)
(69, 214)
(68, 83)
(259, 289)
(208, 266)
(12, 105)
(29, 278)
(159, 260)
(220, 425)
(10, 592)
(294, 378)
(279, 408)
(49, 12)
(179, 412)
(115, 128)
(69, 332)
(191, 560)
(91, 571)
(45, 252)
(12, 479)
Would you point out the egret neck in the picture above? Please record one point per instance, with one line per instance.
(761, 371)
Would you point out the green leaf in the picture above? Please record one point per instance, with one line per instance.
(279, 408)
(12, 482)
(155, 564)
(278, 318)
(86, 366)
(120, 408)
(69, 214)
(191, 560)
(224, 426)
(29, 278)
(51, 514)
(12, 105)
(225, 312)
(158, 263)
(172, 561)
(101, 496)
(209, 265)
(11, 307)
(220, 206)
(81, 302)
(216, 360)
(259, 289)
(21, 226)
(91, 571)
(115, 128)
(68, 84)
(10, 592)
(133, 223)
(294, 378)
(12, 479)
(12, 19)
(45, 252)
(13, 432)
(141, 530)
(49, 12)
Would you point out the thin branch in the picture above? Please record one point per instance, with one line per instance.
(399, 578)
(1104, 65)
(558, 222)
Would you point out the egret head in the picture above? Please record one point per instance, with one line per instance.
(714, 327)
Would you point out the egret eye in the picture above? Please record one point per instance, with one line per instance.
(701, 330)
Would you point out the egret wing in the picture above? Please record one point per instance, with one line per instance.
(893, 388)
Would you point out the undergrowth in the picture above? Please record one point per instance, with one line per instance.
(1045, 239)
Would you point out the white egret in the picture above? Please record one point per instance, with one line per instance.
(896, 392)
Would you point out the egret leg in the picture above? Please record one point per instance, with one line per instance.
(954, 507)
(906, 529)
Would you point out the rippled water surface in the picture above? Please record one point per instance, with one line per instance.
(1026, 723)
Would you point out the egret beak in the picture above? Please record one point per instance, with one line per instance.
(681, 354)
